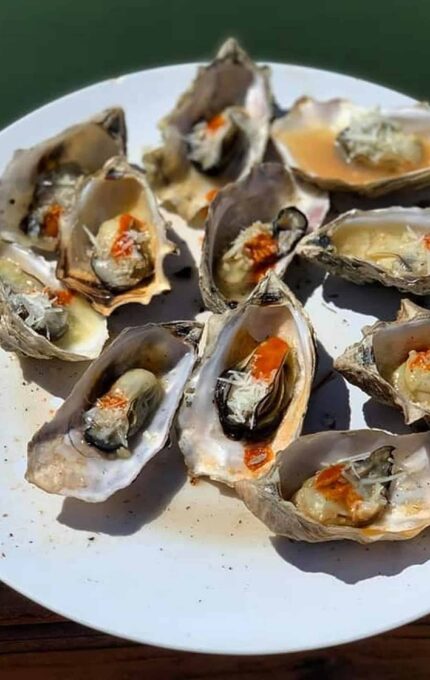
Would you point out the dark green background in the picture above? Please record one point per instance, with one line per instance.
(50, 47)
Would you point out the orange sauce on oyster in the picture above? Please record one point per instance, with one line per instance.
(51, 220)
(315, 151)
(113, 400)
(257, 455)
(262, 249)
(335, 487)
(61, 297)
(268, 357)
(123, 243)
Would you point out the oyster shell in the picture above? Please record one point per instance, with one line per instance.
(392, 361)
(39, 317)
(217, 131)
(389, 492)
(273, 210)
(38, 185)
(113, 241)
(390, 245)
(148, 366)
(248, 396)
(338, 145)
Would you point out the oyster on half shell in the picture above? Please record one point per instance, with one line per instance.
(118, 415)
(389, 245)
(392, 362)
(39, 317)
(341, 146)
(218, 130)
(113, 241)
(361, 485)
(249, 393)
(38, 185)
(254, 225)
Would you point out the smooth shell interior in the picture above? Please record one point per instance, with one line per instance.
(60, 461)
(208, 451)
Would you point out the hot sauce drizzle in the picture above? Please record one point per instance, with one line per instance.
(51, 220)
(216, 122)
(420, 360)
(116, 400)
(123, 243)
(268, 357)
(331, 483)
(262, 249)
(257, 455)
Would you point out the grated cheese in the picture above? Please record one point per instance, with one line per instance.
(379, 141)
(245, 396)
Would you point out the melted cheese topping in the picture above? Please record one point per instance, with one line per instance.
(394, 247)
(316, 152)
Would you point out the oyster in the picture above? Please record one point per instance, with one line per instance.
(118, 415)
(392, 362)
(362, 485)
(390, 245)
(218, 130)
(41, 318)
(248, 396)
(252, 226)
(113, 241)
(338, 145)
(38, 185)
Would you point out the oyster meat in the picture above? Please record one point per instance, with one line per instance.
(113, 241)
(118, 416)
(392, 362)
(41, 318)
(341, 146)
(361, 485)
(248, 396)
(253, 225)
(389, 245)
(218, 130)
(38, 185)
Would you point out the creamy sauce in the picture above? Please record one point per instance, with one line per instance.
(315, 151)
(393, 246)
(413, 377)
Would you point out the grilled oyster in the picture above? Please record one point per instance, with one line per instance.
(39, 317)
(338, 145)
(390, 245)
(113, 241)
(217, 131)
(118, 415)
(38, 185)
(392, 362)
(252, 226)
(362, 485)
(249, 394)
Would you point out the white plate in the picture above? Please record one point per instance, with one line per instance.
(184, 566)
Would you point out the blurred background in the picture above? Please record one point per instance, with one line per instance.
(51, 47)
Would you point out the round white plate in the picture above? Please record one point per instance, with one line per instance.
(183, 566)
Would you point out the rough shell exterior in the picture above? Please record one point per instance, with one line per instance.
(232, 79)
(268, 498)
(318, 249)
(385, 345)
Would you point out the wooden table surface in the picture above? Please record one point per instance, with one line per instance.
(39, 645)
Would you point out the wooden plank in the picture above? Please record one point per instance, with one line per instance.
(35, 643)
(16, 609)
